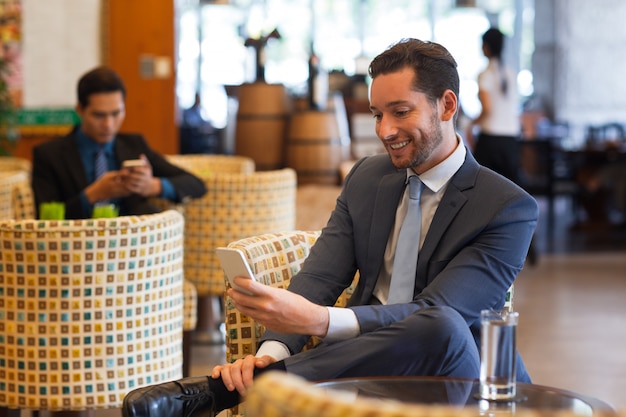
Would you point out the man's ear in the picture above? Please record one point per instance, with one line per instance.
(449, 104)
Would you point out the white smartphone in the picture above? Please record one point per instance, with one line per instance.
(131, 163)
(234, 265)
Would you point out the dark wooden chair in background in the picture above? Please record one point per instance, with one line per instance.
(547, 170)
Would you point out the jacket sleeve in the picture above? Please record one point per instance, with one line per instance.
(53, 182)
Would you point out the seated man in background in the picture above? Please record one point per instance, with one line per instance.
(410, 314)
(85, 167)
(197, 134)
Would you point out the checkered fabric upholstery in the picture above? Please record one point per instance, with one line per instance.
(274, 258)
(15, 189)
(235, 206)
(203, 165)
(278, 394)
(89, 309)
(12, 163)
(16, 197)
(23, 199)
(7, 180)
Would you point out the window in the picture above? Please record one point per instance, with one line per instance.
(343, 33)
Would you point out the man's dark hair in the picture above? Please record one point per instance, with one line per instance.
(434, 67)
(99, 80)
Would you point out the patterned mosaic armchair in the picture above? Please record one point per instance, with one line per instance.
(274, 259)
(17, 202)
(89, 309)
(12, 163)
(278, 394)
(202, 166)
(235, 206)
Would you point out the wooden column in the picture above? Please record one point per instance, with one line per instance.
(139, 43)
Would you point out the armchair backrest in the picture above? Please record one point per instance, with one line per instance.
(235, 206)
(13, 163)
(89, 309)
(16, 196)
(274, 259)
(203, 165)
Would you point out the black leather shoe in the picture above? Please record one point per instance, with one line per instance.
(188, 397)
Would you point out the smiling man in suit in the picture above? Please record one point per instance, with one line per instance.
(67, 169)
(475, 231)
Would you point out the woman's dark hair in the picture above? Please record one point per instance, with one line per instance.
(434, 67)
(99, 80)
(493, 39)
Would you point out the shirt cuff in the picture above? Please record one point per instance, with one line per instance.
(167, 190)
(342, 325)
(275, 349)
(85, 204)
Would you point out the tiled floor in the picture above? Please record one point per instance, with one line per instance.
(571, 303)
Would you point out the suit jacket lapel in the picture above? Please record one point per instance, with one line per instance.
(73, 162)
(452, 202)
(123, 151)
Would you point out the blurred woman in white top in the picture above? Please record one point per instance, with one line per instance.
(496, 146)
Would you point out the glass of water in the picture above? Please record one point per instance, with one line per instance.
(497, 354)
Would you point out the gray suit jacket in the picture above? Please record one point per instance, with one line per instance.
(474, 249)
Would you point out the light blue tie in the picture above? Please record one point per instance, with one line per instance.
(101, 162)
(405, 260)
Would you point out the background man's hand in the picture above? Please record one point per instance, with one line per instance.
(139, 180)
(108, 186)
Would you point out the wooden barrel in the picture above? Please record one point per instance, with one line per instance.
(262, 123)
(315, 147)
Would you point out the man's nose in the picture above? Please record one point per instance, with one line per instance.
(386, 129)
(109, 120)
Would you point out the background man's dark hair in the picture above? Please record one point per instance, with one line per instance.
(99, 80)
(434, 67)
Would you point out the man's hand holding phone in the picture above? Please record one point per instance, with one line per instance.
(235, 265)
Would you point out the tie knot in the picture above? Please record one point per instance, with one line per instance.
(415, 187)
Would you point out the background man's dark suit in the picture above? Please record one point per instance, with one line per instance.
(59, 175)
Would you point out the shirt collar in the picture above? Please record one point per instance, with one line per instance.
(88, 144)
(439, 175)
